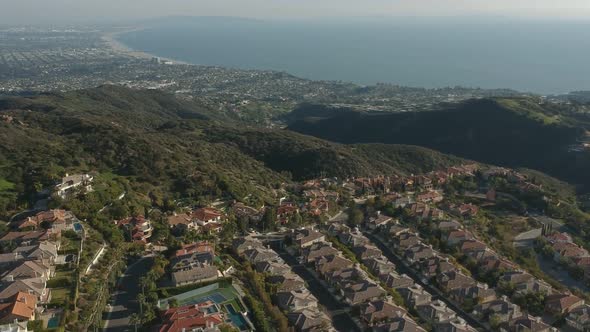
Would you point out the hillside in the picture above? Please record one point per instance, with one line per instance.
(511, 132)
(173, 148)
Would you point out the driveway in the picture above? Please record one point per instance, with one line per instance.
(123, 301)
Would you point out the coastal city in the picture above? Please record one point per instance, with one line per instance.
(75, 58)
(253, 231)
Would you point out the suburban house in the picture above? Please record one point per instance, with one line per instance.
(435, 312)
(380, 311)
(399, 324)
(359, 292)
(20, 307)
(138, 229)
(27, 270)
(71, 183)
(501, 308)
(451, 280)
(579, 318)
(395, 281)
(380, 220)
(528, 323)
(34, 286)
(296, 300)
(307, 237)
(454, 325)
(415, 295)
(207, 215)
(309, 320)
(475, 293)
(316, 250)
(562, 303)
(194, 317)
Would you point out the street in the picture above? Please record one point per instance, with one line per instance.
(123, 301)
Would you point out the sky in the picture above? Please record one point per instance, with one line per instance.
(65, 11)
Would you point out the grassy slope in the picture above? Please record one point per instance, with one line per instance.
(175, 146)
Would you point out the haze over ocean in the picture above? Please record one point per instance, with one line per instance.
(542, 57)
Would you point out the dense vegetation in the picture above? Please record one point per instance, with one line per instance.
(516, 132)
(152, 144)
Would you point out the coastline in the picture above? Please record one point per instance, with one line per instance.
(119, 47)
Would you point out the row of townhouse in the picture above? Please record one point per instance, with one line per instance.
(556, 304)
(455, 284)
(434, 312)
(292, 295)
(353, 285)
(23, 280)
(426, 181)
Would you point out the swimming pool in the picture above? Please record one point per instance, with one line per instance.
(236, 318)
(53, 322)
(78, 227)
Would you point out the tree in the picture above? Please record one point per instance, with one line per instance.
(355, 216)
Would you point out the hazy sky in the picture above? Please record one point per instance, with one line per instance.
(30, 11)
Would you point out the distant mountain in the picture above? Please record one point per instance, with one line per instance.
(515, 132)
(177, 147)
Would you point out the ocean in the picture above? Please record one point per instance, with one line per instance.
(530, 56)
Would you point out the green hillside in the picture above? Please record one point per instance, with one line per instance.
(172, 148)
(516, 132)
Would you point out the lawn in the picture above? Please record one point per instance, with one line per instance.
(59, 295)
(5, 185)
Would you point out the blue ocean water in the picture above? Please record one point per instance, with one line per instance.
(543, 57)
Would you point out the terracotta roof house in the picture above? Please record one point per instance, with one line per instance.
(330, 263)
(204, 316)
(207, 215)
(296, 300)
(308, 321)
(138, 229)
(454, 325)
(465, 210)
(451, 280)
(196, 247)
(399, 324)
(380, 311)
(562, 303)
(579, 318)
(559, 237)
(528, 323)
(494, 263)
(415, 295)
(435, 312)
(501, 308)
(20, 307)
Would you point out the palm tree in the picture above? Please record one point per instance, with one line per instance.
(135, 320)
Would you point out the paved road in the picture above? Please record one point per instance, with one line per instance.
(402, 267)
(338, 311)
(124, 301)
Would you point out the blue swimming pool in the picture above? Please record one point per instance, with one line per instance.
(236, 318)
(78, 227)
(53, 322)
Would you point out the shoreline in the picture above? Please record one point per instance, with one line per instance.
(119, 47)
